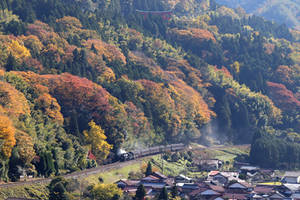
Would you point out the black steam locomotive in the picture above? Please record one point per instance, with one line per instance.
(125, 156)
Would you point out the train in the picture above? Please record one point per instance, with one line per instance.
(125, 156)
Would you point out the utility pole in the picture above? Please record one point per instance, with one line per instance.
(162, 163)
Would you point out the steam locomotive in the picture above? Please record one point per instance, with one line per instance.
(125, 156)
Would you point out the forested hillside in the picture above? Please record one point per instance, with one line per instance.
(79, 76)
(283, 12)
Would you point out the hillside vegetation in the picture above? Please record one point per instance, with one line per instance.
(79, 76)
(287, 12)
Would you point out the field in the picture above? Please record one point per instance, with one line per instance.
(38, 191)
(114, 175)
(226, 154)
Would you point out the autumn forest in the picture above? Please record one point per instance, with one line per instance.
(80, 76)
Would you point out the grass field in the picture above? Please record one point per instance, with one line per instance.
(37, 191)
(116, 174)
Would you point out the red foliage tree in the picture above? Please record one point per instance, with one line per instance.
(283, 97)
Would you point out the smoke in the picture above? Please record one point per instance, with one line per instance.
(212, 135)
(120, 152)
(134, 144)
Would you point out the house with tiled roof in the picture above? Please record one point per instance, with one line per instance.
(264, 190)
(276, 196)
(222, 178)
(153, 184)
(207, 191)
(124, 183)
(187, 187)
(249, 169)
(239, 187)
(182, 179)
(235, 196)
(159, 175)
(291, 179)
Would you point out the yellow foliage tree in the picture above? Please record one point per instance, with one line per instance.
(18, 50)
(7, 16)
(7, 137)
(96, 137)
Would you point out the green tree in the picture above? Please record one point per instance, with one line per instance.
(149, 169)
(163, 194)
(11, 63)
(57, 189)
(140, 192)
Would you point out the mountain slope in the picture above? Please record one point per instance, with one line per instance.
(287, 11)
(143, 80)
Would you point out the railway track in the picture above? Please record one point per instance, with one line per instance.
(74, 175)
(103, 168)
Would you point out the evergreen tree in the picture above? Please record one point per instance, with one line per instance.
(93, 48)
(149, 169)
(11, 63)
(140, 192)
(163, 194)
(49, 164)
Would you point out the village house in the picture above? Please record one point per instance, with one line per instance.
(187, 187)
(217, 186)
(261, 175)
(159, 175)
(277, 196)
(239, 187)
(153, 184)
(264, 190)
(207, 191)
(238, 164)
(182, 179)
(288, 189)
(127, 184)
(235, 196)
(250, 170)
(222, 178)
(291, 178)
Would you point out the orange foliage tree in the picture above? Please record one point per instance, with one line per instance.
(110, 51)
(81, 101)
(12, 102)
(25, 147)
(50, 106)
(7, 137)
